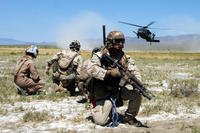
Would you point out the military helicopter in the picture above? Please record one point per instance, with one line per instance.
(143, 32)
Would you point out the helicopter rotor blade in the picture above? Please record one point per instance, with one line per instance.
(130, 24)
(149, 24)
(161, 28)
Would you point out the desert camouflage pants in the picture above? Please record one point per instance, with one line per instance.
(101, 112)
(68, 82)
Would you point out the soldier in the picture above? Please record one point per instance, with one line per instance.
(26, 76)
(106, 80)
(68, 61)
(84, 79)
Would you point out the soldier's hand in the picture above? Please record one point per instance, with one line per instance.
(47, 72)
(114, 72)
(41, 82)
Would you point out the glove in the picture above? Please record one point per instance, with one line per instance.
(47, 72)
(41, 82)
(114, 72)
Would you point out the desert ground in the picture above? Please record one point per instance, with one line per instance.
(173, 77)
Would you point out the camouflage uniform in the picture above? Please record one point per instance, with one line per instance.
(105, 85)
(67, 63)
(85, 79)
(26, 76)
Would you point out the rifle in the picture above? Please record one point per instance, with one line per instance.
(127, 77)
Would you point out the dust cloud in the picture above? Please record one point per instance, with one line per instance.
(81, 27)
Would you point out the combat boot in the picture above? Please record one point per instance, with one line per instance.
(60, 89)
(131, 120)
(22, 92)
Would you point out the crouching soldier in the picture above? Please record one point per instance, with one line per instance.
(106, 79)
(85, 79)
(26, 76)
(67, 63)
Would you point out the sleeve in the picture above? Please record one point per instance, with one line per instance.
(133, 68)
(33, 71)
(52, 60)
(94, 69)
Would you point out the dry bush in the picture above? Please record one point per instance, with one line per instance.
(37, 116)
(184, 87)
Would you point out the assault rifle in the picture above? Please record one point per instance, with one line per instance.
(128, 77)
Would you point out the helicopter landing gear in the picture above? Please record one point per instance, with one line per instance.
(153, 35)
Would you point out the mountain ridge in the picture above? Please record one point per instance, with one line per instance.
(188, 42)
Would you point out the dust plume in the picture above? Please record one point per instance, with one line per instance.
(81, 27)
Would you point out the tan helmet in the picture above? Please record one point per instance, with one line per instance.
(75, 45)
(114, 38)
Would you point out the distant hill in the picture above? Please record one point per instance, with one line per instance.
(8, 41)
(170, 43)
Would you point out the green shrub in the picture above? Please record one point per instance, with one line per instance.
(183, 88)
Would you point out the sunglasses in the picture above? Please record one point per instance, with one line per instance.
(118, 41)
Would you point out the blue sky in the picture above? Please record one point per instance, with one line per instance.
(58, 20)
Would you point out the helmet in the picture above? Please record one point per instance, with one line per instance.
(114, 38)
(33, 50)
(75, 45)
(96, 49)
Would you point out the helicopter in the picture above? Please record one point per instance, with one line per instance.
(143, 32)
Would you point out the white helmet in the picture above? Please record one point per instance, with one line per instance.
(33, 50)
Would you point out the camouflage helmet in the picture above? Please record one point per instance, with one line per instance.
(75, 45)
(114, 38)
(32, 50)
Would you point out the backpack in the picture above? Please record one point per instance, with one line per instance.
(66, 58)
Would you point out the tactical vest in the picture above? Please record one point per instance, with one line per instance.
(113, 82)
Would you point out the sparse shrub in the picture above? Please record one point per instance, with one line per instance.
(183, 88)
(195, 129)
(13, 53)
(151, 109)
(3, 111)
(62, 130)
(19, 109)
(36, 116)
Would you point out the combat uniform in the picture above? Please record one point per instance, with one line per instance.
(26, 75)
(67, 61)
(105, 86)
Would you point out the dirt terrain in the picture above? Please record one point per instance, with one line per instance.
(168, 112)
(68, 116)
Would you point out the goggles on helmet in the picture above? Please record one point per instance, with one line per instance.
(118, 41)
